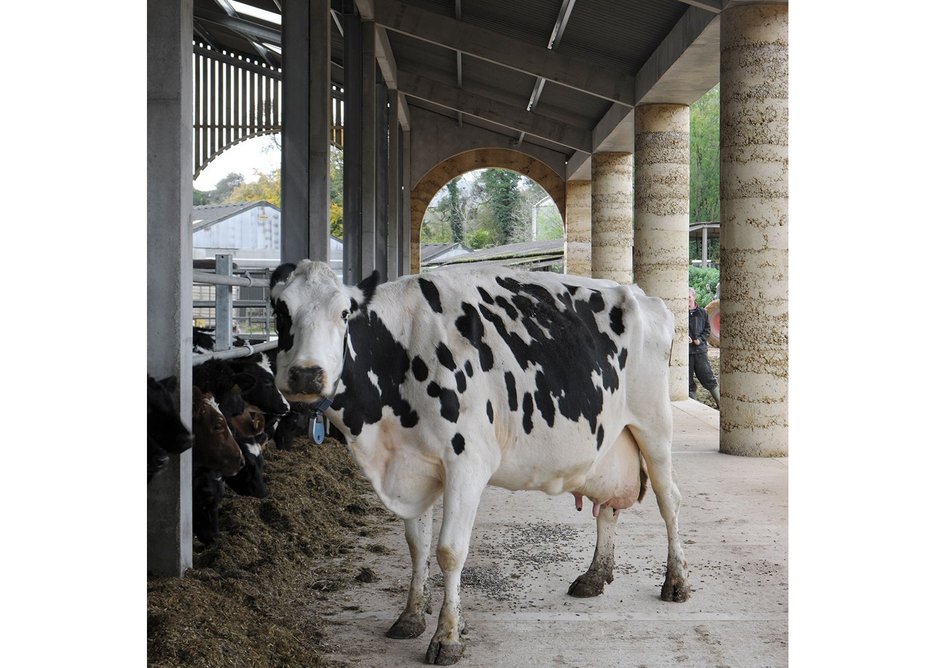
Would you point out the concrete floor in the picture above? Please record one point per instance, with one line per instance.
(527, 547)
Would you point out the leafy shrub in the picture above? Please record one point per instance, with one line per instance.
(705, 281)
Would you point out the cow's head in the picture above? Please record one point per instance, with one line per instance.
(214, 447)
(312, 309)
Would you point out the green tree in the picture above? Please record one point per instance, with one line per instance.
(266, 187)
(452, 209)
(336, 192)
(704, 158)
(503, 198)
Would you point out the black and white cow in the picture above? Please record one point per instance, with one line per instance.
(446, 382)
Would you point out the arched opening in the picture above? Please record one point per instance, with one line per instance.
(492, 214)
(438, 178)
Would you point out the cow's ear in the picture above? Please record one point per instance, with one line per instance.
(279, 279)
(367, 287)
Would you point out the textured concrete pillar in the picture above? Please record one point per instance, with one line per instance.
(612, 198)
(754, 248)
(661, 221)
(578, 228)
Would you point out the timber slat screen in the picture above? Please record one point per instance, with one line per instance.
(236, 98)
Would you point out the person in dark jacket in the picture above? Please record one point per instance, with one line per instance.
(699, 331)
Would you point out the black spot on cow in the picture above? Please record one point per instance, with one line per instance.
(281, 273)
(544, 402)
(600, 436)
(616, 317)
(468, 368)
(509, 310)
(458, 443)
(485, 296)
(511, 390)
(368, 285)
(518, 347)
(431, 293)
(527, 412)
(470, 326)
(490, 412)
(445, 357)
(460, 383)
(509, 284)
(448, 401)
(596, 302)
(378, 353)
(622, 358)
(420, 370)
(283, 326)
(571, 288)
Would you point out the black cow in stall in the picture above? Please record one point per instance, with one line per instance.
(165, 432)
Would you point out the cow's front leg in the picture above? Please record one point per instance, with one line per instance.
(601, 570)
(412, 622)
(462, 495)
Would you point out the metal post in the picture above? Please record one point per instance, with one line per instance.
(351, 250)
(381, 181)
(224, 297)
(368, 148)
(393, 189)
(704, 246)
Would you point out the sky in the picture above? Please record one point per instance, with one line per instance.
(258, 154)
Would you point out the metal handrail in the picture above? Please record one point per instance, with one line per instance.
(233, 353)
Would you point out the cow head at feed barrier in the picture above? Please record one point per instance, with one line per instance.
(312, 309)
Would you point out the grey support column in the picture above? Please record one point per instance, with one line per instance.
(368, 148)
(754, 244)
(406, 212)
(612, 196)
(353, 172)
(381, 181)
(306, 107)
(169, 267)
(393, 189)
(578, 228)
(661, 221)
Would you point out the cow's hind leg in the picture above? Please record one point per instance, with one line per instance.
(463, 488)
(601, 570)
(412, 622)
(656, 447)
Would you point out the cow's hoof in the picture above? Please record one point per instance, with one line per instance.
(587, 585)
(444, 654)
(407, 626)
(675, 589)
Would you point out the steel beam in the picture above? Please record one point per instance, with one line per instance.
(487, 109)
(573, 72)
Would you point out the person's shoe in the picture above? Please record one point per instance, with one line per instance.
(716, 396)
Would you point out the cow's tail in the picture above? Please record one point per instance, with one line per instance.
(643, 478)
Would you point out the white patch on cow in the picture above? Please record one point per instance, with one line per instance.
(375, 381)
(254, 449)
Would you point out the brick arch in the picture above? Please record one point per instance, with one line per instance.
(436, 178)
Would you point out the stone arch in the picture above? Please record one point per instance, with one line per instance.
(436, 178)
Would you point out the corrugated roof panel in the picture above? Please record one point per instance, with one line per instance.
(413, 55)
(531, 21)
(625, 32)
(504, 83)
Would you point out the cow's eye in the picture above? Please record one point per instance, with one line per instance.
(344, 315)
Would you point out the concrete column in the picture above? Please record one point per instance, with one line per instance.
(754, 244)
(612, 198)
(368, 148)
(381, 181)
(410, 254)
(578, 228)
(393, 188)
(306, 113)
(169, 267)
(351, 250)
(661, 221)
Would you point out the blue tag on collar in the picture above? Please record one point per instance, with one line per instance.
(316, 428)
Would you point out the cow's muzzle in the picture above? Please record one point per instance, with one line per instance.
(306, 380)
